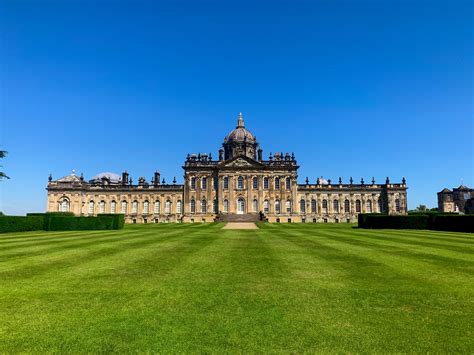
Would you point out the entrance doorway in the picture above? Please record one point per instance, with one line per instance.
(240, 206)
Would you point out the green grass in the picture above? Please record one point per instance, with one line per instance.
(283, 288)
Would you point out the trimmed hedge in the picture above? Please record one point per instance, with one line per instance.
(380, 221)
(20, 223)
(434, 221)
(459, 223)
(55, 222)
(58, 221)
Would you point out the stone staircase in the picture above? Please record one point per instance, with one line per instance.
(239, 218)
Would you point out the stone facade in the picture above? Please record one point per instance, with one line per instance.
(455, 200)
(239, 182)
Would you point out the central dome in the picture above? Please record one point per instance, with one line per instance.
(240, 133)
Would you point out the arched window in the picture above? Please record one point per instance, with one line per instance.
(255, 182)
(203, 206)
(277, 206)
(91, 207)
(204, 183)
(179, 207)
(369, 206)
(123, 207)
(302, 206)
(167, 207)
(241, 205)
(397, 205)
(102, 207)
(255, 205)
(226, 182)
(357, 206)
(265, 183)
(313, 206)
(240, 182)
(146, 207)
(277, 183)
(266, 206)
(64, 206)
(193, 183)
(288, 183)
(226, 206)
(157, 207)
(380, 206)
(288, 206)
(193, 206)
(325, 206)
(214, 205)
(134, 206)
(336, 206)
(113, 205)
(347, 206)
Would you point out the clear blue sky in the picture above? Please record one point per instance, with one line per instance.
(353, 88)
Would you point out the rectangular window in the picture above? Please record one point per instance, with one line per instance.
(193, 183)
(216, 183)
(277, 183)
(265, 183)
(204, 183)
(240, 182)
(255, 183)
(178, 207)
(226, 182)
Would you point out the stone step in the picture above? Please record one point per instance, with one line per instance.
(239, 218)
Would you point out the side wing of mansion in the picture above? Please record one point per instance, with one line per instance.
(240, 184)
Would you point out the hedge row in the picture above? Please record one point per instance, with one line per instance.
(434, 221)
(20, 223)
(58, 221)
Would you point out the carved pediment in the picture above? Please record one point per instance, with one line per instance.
(239, 162)
(242, 162)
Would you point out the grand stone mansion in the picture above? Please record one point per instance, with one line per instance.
(239, 184)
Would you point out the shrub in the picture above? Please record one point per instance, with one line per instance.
(21, 223)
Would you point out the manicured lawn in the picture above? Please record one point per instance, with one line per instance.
(290, 288)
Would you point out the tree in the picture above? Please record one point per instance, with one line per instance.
(3, 153)
(421, 208)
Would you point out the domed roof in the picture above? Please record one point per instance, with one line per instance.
(240, 133)
(112, 177)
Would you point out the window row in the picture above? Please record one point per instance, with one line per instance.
(203, 206)
(240, 183)
(346, 208)
(134, 207)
